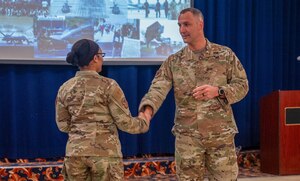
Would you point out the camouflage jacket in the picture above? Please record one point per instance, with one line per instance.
(218, 66)
(90, 108)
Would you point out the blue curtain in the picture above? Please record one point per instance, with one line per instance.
(263, 34)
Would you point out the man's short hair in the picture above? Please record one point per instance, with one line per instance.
(194, 11)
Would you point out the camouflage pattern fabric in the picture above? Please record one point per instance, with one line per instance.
(91, 108)
(216, 154)
(216, 65)
(101, 168)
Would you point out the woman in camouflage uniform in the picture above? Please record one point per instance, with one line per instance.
(91, 108)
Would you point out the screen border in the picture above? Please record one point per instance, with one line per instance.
(107, 61)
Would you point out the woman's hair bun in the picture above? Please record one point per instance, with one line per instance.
(72, 58)
(82, 52)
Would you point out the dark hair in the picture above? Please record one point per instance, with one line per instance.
(82, 52)
(194, 11)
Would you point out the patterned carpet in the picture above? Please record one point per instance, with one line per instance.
(145, 168)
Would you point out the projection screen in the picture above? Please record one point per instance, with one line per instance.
(128, 31)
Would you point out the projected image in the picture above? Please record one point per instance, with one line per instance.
(55, 35)
(46, 29)
(165, 9)
(16, 31)
(158, 38)
(115, 36)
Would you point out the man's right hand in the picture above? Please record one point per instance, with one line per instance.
(148, 111)
(144, 117)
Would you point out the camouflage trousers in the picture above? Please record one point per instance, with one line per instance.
(91, 168)
(195, 156)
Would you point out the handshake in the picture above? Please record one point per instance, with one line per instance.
(146, 114)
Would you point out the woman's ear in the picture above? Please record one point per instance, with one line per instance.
(95, 59)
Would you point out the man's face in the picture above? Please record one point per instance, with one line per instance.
(190, 27)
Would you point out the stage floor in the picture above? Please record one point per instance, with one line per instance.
(265, 178)
(272, 178)
(255, 176)
(135, 169)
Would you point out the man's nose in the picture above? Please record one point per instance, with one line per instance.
(182, 29)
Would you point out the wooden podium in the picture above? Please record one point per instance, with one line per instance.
(280, 132)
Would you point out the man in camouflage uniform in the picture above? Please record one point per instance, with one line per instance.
(91, 108)
(207, 78)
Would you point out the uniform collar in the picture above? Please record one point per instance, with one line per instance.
(86, 72)
(188, 54)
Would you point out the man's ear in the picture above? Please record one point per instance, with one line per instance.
(201, 25)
